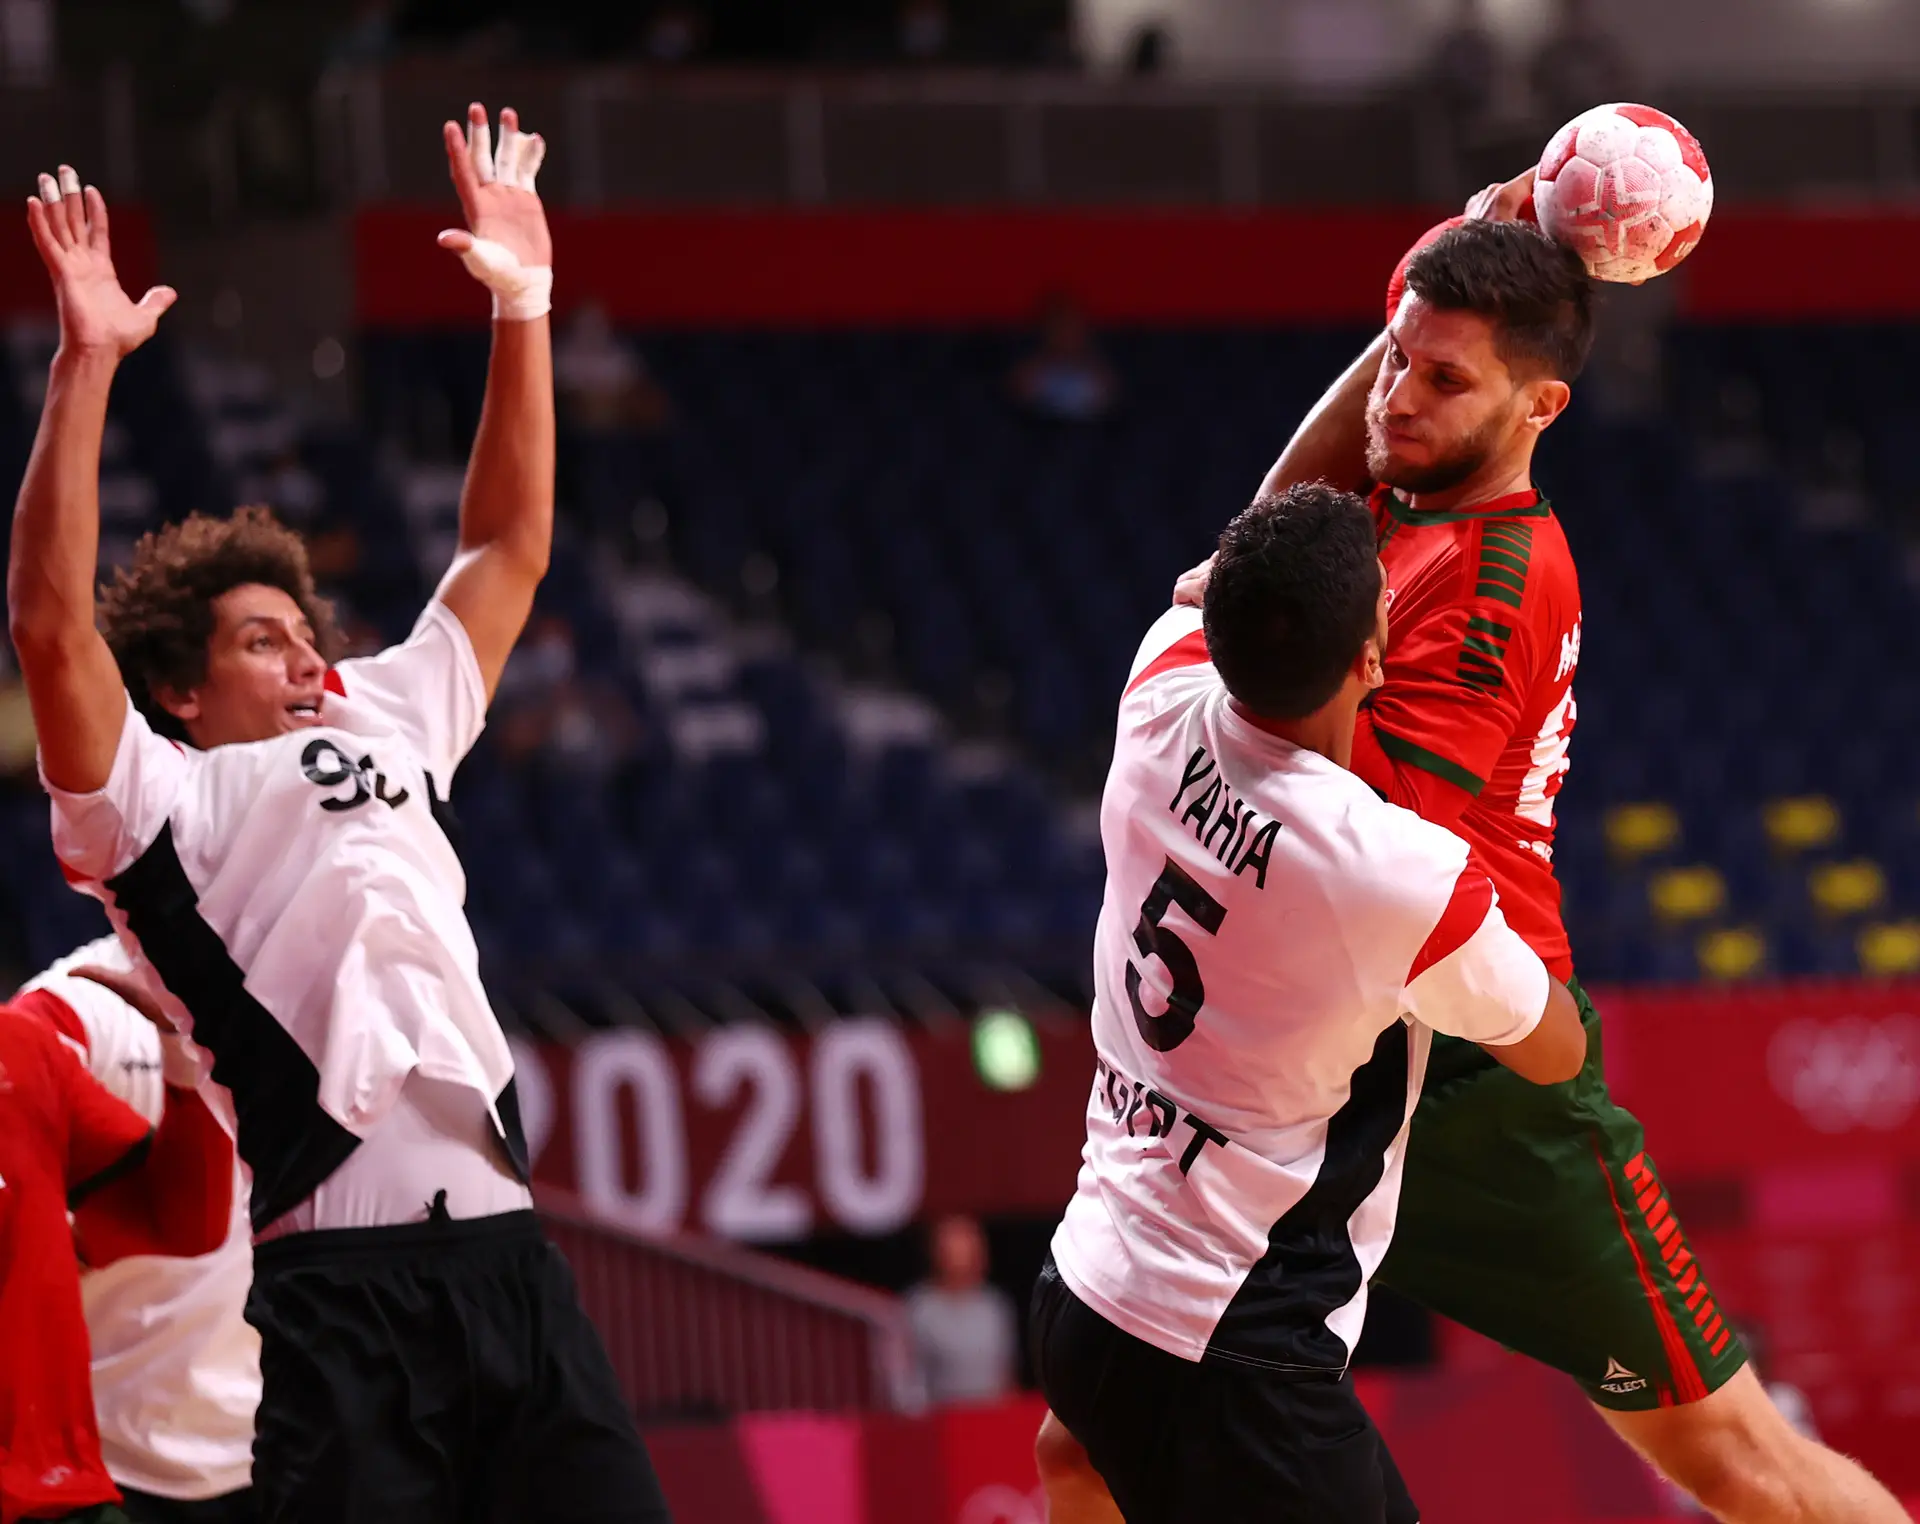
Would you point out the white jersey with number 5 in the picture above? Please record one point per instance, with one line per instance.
(1276, 946)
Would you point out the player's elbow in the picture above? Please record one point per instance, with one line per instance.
(521, 554)
(1555, 1051)
(46, 632)
(1566, 1058)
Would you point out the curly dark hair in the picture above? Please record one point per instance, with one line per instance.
(157, 614)
(1536, 292)
(1294, 594)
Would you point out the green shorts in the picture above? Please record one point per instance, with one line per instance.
(1533, 1215)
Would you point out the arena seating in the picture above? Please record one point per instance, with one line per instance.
(865, 622)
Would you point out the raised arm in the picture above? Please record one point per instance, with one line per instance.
(79, 703)
(506, 509)
(1330, 445)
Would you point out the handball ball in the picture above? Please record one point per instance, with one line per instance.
(1628, 188)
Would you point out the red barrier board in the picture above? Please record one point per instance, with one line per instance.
(1794, 1078)
(1808, 1097)
(778, 268)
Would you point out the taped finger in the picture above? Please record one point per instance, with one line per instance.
(533, 153)
(49, 191)
(506, 155)
(480, 150)
(71, 205)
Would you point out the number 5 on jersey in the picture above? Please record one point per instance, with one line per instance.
(1175, 1025)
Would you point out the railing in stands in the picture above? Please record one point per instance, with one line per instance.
(698, 1328)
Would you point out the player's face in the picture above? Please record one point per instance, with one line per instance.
(264, 676)
(1443, 403)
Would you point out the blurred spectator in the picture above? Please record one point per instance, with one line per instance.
(1835, 495)
(603, 383)
(965, 1334)
(1464, 71)
(673, 34)
(285, 485)
(1732, 443)
(548, 715)
(367, 37)
(26, 38)
(1066, 380)
(925, 31)
(1150, 50)
(1579, 65)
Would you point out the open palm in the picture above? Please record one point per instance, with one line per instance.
(495, 186)
(70, 230)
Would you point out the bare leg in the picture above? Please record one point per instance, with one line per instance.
(1741, 1461)
(1075, 1492)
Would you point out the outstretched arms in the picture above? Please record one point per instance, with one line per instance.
(506, 509)
(79, 703)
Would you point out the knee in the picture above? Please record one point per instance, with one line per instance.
(1740, 1474)
(1057, 1453)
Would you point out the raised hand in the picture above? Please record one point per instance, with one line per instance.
(1191, 589)
(1508, 202)
(69, 229)
(506, 245)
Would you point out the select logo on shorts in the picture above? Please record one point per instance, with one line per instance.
(1620, 1381)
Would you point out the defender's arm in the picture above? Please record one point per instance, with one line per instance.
(79, 703)
(506, 509)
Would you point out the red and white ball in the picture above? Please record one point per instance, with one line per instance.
(1628, 188)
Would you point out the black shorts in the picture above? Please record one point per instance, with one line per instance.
(437, 1373)
(149, 1508)
(1209, 1442)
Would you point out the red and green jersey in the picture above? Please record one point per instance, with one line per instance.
(1472, 725)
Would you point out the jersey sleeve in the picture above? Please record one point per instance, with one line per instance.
(179, 1200)
(1175, 640)
(100, 834)
(1473, 977)
(1457, 682)
(120, 1047)
(106, 1138)
(428, 687)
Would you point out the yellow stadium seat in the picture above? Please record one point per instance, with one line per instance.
(1889, 948)
(1640, 830)
(1800, 824)
(1728, 953)
(1849, 888)
(1687, 894)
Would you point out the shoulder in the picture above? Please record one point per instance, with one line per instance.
(1169, 669)
(1399, 862)
(1175, 640)
(29, 1046)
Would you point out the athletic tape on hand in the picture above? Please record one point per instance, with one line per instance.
(520, 292)
(515, 162)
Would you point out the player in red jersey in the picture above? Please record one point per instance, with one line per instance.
(1538, 1221)
(66, 1143)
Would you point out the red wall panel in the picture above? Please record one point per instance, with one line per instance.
(851, 268)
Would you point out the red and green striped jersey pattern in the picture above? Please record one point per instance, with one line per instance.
(1484, 617)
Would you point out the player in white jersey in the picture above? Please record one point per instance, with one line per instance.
(267, 834)
(1275, 949)
(176, 1369)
